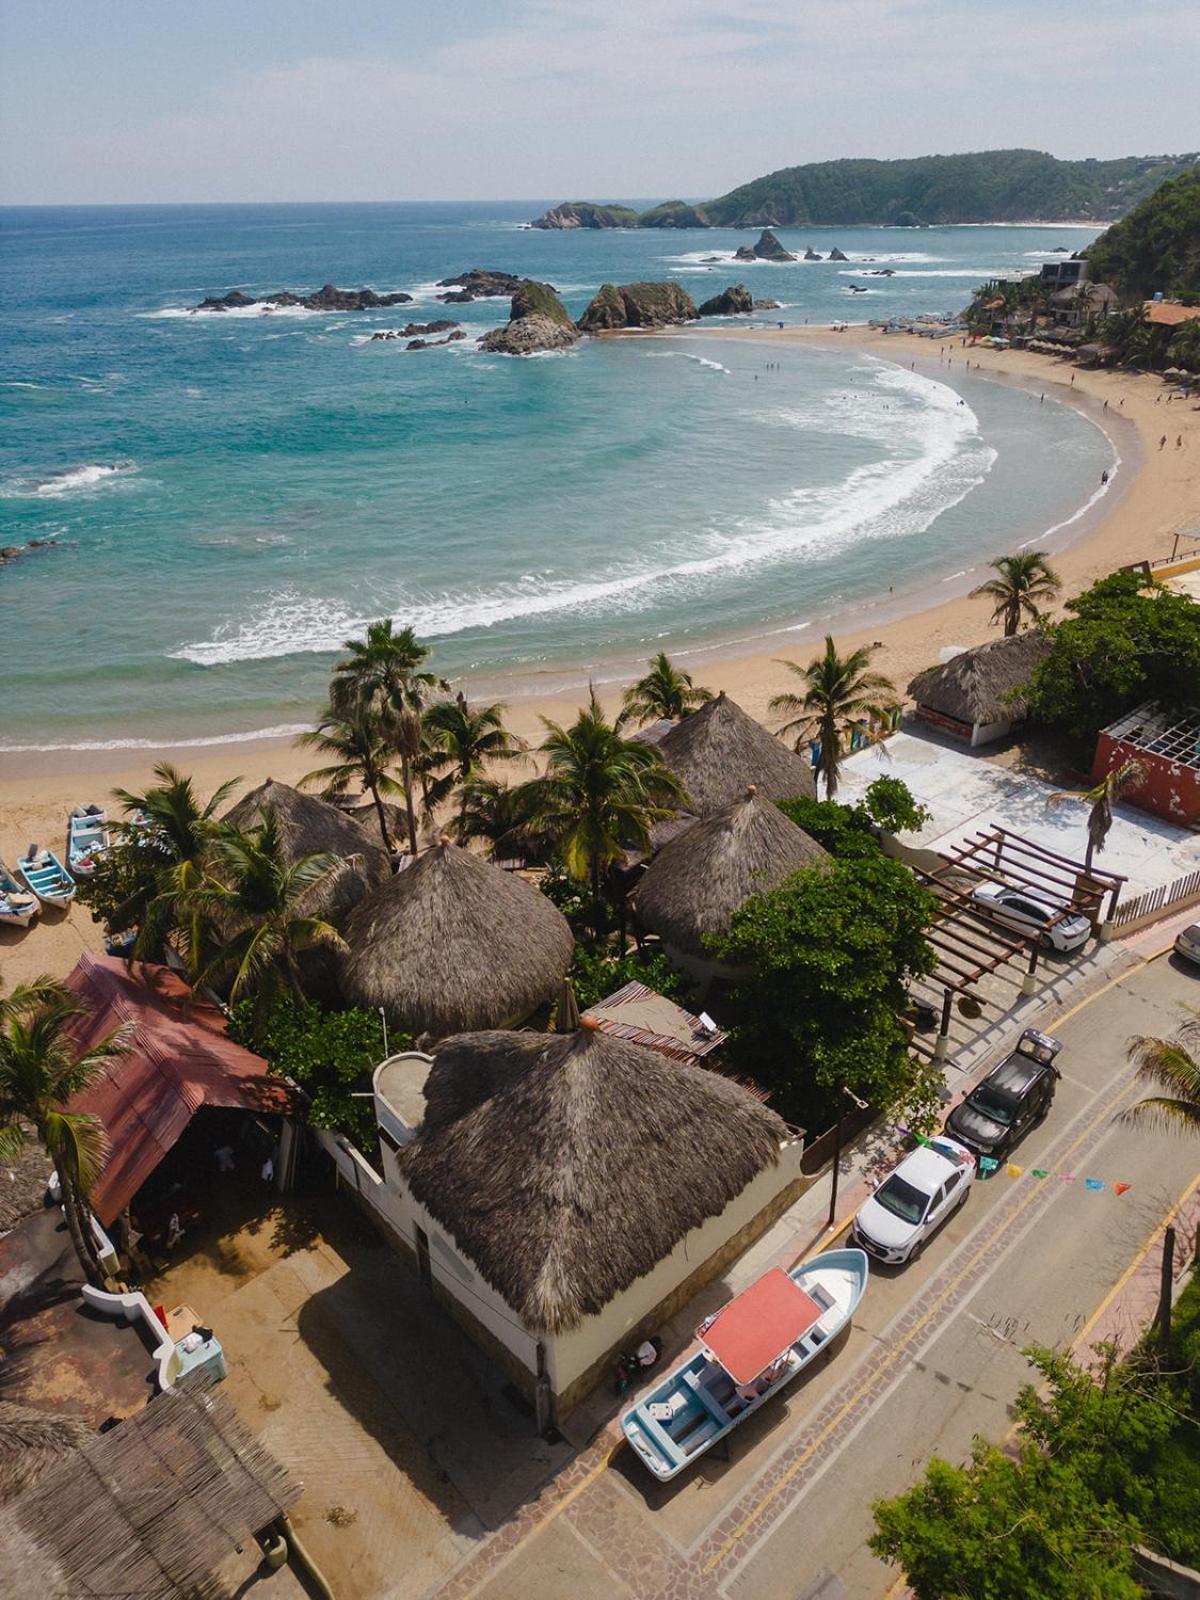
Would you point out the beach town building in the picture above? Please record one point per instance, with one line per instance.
(1166, 747)
(718, 750)
(563, 1195)
(693, 887)
(979, 694)
(641, 1016)
(452, 943)
(1169, 313)
(1066, 272)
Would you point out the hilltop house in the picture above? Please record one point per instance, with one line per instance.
(563, 1195)
(979, 694)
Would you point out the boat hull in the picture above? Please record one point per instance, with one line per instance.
(48, 879)
(699, 1403)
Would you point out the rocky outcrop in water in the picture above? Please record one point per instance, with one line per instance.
(586, 214)
(766, 305)
(731, 302)
(811, 255)
(434, 344)
(673, 214)
(538, 321)
(836, 255)
(10, 552)
(637, 305)
(326, 298)
(411, 329)
(767, 248)
(478, 284)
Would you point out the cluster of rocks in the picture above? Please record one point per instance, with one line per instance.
(478, 284)
(327, 298)
(637, 305)
(432, 344)
(10, 552)
(420, 329)
(767, 248)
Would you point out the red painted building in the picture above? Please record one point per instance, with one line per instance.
(1166, 745)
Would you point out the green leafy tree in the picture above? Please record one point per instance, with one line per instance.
(1153, 249)
(601, 794)
(841, 696)
(829, 954)
(330, 1054)
(1100, 800)
(1023, 586)
(41, 1072)
(352, 733)
(259, 907)
(460, 740)
(504, 815)
(1125, 641)
(387, 669)
(842, 830)
(890, 804)
(664, 693)
(1170, 1066)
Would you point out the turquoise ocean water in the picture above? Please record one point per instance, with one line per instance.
(234, 494)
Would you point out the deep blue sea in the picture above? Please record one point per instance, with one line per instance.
(234, 494)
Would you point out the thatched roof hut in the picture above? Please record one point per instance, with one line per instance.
(568, 1165)
(308, 824)
(718, 750)
(32, 1440)
(980, 693)
(453, 943)
(695, 884)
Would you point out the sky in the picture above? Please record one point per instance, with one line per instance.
(155, 101)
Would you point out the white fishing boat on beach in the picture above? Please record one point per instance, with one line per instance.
(88, 838)
(17, 906)
(47, 877)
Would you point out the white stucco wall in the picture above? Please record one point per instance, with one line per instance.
(985, 732)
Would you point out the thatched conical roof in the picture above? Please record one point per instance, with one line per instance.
(696, 883)
(568, 1165)
(985, 684)
(308, 824)
(453, 943)
(32, 1440)
(719, 750)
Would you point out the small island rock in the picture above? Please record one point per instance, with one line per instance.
(731, 302)
(811, 255)
(538, 321)
(637, 305)
(478, 284)
(836, 255)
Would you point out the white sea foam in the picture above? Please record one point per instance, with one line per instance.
(73, 481)
(683, 355)
(935, 458)
(286, 730)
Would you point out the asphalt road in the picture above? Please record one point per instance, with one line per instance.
(933, 1359)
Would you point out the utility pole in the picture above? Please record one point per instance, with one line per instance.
(844, 1094)
(1166, 1286)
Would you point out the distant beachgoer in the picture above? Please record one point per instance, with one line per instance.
(1042, 401)
(1104, 476)
(1106, 405)
(1072, 380)
(1179, 441)
(1121, 401)
(1162, 441)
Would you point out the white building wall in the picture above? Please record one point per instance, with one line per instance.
(985, 732)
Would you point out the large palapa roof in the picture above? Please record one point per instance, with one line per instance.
(985, 684)
(565, 1166)
(718, 750)
(696, 883)
(453, 943)
(307, 825)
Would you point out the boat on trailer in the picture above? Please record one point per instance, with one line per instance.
(750, 1350)
(88, 838)
(17, 906)
(46, 876)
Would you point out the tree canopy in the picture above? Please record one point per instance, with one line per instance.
(1156, 248)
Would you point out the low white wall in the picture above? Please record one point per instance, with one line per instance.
(568, 1355)
(985, 732)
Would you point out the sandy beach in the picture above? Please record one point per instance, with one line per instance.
(1154, 493)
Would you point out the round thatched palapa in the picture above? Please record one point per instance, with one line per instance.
(718, 751)
(453, 943)
(696, 883)
(568, 1165)
(308, 824)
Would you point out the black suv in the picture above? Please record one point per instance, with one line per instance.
(1016, 1094)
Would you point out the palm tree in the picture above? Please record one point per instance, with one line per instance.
(841, 696)
(352, 733)
(172, 831)
(664, 694)
(1021, 582)
(1101, 798)
(502, 814)
(258, 904)
(459, 743)
(386, 669)
(1170, 1065)
(601, 794)
(40, 1073)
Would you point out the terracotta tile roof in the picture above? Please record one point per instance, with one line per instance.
(1167, 314)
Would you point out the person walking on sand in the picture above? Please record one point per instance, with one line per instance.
(1179, 441)
(1162, 441)
(1104, 476)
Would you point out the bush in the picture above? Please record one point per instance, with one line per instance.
(330, 1054)
(595, 975)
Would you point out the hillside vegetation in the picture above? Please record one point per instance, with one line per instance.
(985, 186)
(1157, 246)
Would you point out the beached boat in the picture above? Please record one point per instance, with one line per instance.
(17, 906)
(87, 839)
(751, 1349)
(46, 876)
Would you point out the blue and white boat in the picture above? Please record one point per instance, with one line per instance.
(47, 877)
(88, 839)
(17, 907)
(750, 1349)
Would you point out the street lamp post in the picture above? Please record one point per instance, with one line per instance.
(844, 1094)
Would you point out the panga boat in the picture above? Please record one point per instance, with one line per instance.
(17, 907)
(46, 876)
(87, 839)
(752, 1348)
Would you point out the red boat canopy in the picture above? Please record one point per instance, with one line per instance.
(756, 1327)
(179, 1059)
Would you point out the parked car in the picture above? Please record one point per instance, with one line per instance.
(1034, 913)
(1187, 943)
(1016, 1094)
(914, 1200)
